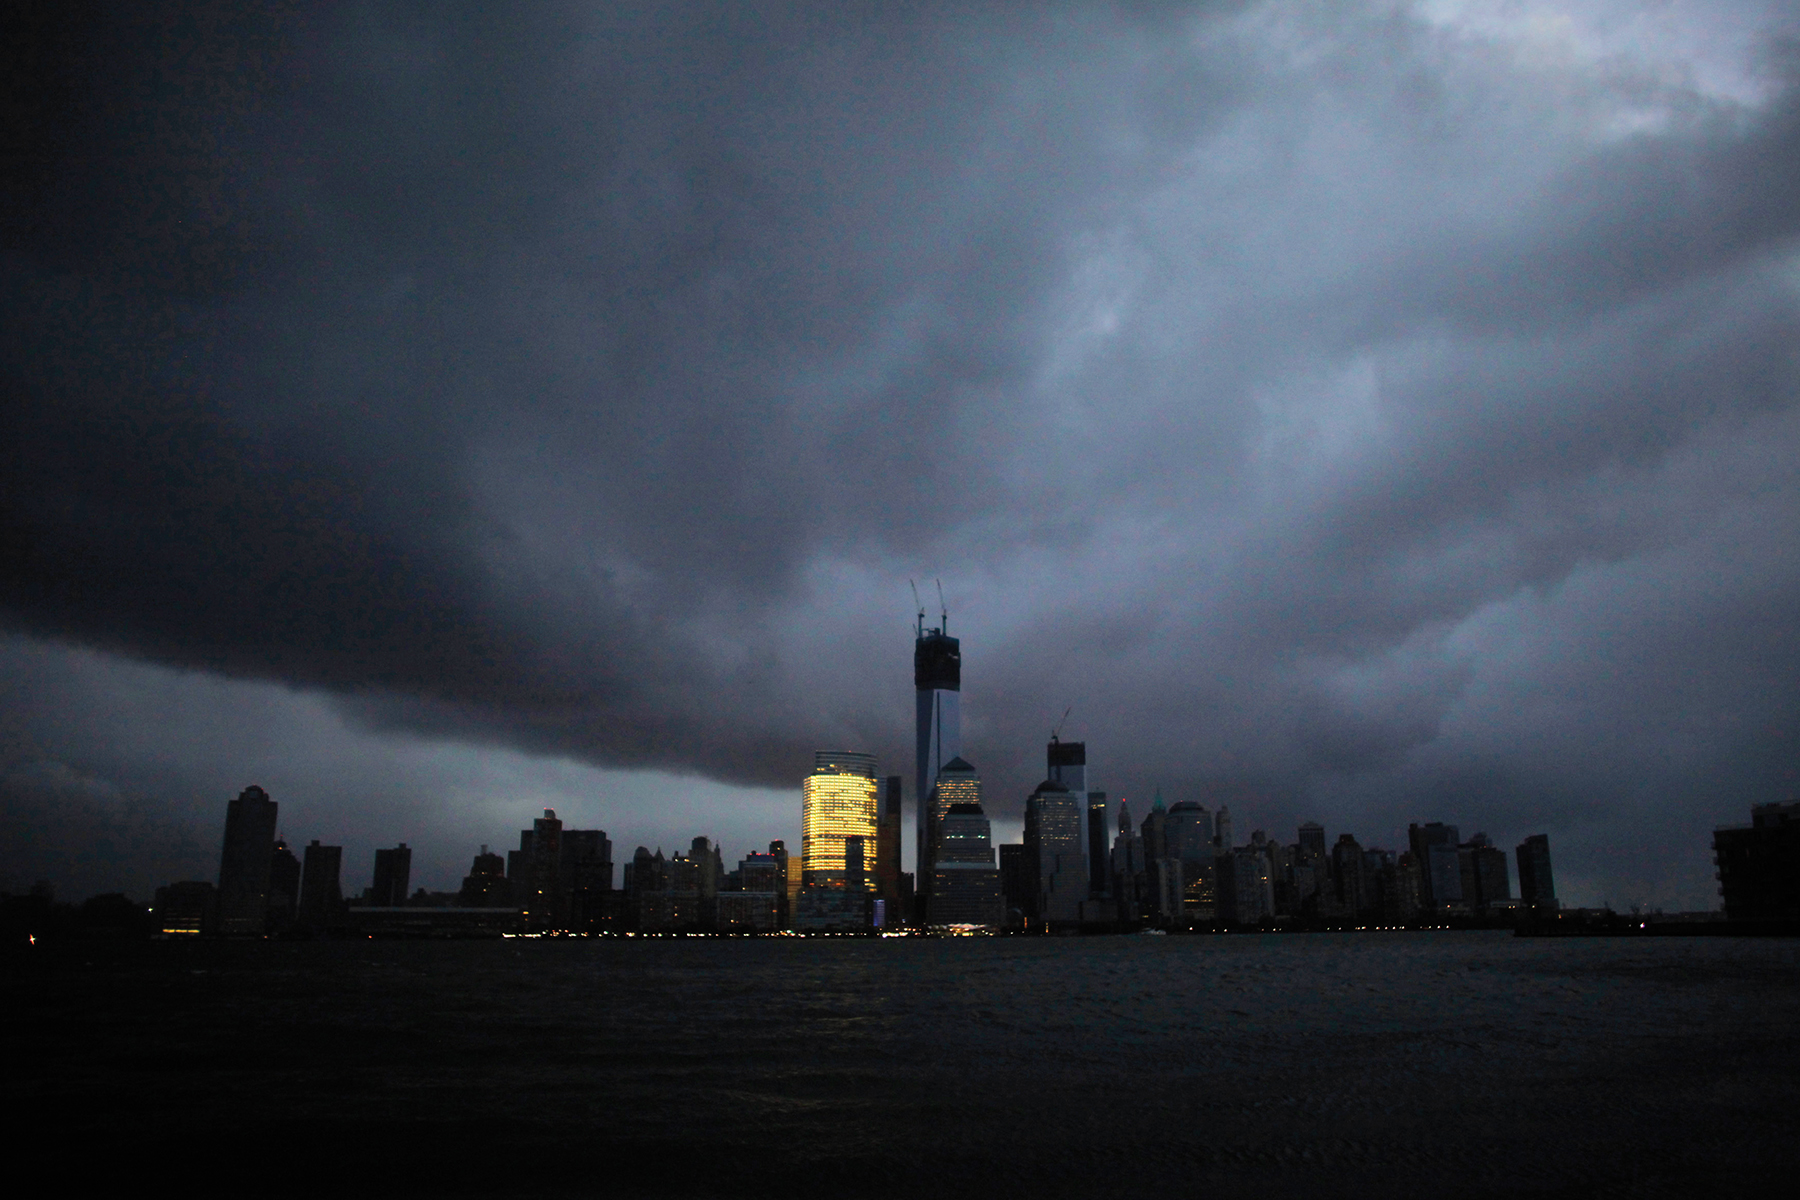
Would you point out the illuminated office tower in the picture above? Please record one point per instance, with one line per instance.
(838, 801)
(937, 676)
(244, 866)
(958, 783)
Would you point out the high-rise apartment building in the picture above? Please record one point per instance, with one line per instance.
(244, 865)
(838, 801)
(937, 680)
(1536, 886)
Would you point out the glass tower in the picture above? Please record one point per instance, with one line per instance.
(840, 801)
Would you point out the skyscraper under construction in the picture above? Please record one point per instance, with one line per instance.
(937, 676)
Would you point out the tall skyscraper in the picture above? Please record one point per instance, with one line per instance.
(1068, 764)
(966, 884)
(1056, 845)
(1099, 855)
(393, 874)
(1440, 869)
(888, 826)
(321, 888)
(957, 783)
(244, 865)
(1536, 887)
(839, 801)
(1067, 767)
(1190, 835)
(937, 678)
(535, 868)
(284, 886)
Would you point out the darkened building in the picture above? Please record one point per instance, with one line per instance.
(1017, 888)
(321, 887)
(1404, 902)
(1190, 840)
(1759, 865)
(485, 885)
(747, 901)
(786, 886)
(1482, 870)
(965, 882)
(556, 871)
(1099, 855)
(1434, 845)
(244, 864)
(937, 681)
(393, 876)
(1246, 891)
(533, 870)
(585, 879)
(1536, 886)
(888, 828)
(284, 887)
(186, 909)
(1350, 874)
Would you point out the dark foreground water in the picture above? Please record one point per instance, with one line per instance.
(1318, 1066)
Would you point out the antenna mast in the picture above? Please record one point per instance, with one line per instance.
(945, 611)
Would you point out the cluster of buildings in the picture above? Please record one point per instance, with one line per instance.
(1082, 864)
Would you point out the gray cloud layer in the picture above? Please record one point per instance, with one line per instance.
(1355, 411)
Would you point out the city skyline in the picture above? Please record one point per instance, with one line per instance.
(1367, 413)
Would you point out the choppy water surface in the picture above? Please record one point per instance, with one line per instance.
(1327, 1065)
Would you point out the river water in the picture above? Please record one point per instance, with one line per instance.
(1465, 1064)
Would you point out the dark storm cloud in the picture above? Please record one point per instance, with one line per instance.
(1284, 385)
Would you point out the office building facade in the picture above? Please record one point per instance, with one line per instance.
(839, 801)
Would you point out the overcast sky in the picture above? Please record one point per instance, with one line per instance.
(1360, 412)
